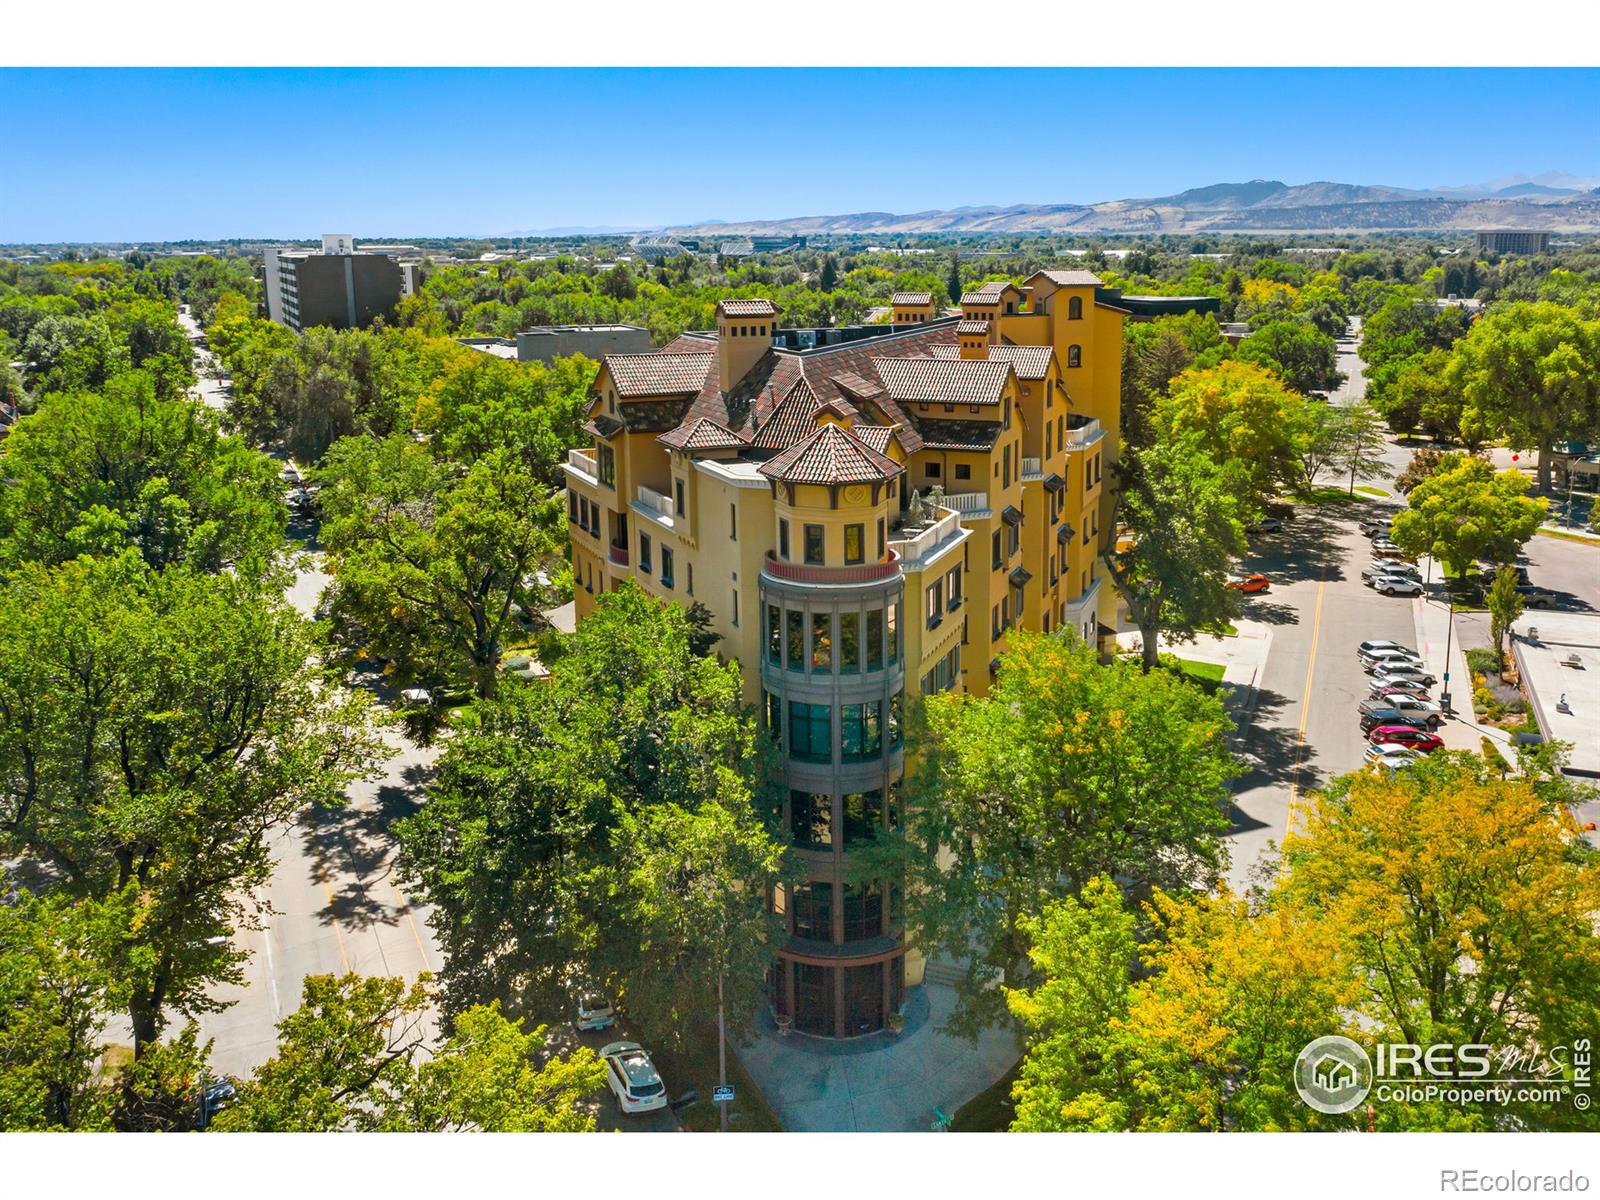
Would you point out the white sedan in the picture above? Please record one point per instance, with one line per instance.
(1397, 585)
(1392, 756)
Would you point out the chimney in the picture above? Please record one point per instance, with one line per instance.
(745, 330)
(974, 337)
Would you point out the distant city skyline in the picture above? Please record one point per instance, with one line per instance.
(158, 155)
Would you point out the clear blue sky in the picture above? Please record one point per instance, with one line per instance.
(146, 154)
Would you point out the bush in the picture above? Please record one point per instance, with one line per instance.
(1484, 662)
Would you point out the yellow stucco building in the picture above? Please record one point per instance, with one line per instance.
(863, 511)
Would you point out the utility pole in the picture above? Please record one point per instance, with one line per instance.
(722, 1052)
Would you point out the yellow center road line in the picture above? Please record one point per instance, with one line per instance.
(338, 935)
(1305, 709)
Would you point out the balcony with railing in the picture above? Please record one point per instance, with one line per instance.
(657, 506)
(1032, 468)
(1082, 432)
(583, 462)
(914, 544)
(619, 554)
(968, 503)
(791, 572)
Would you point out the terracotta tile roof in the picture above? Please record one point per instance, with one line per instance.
(989, 293)
(752, 400)
(747, 308)
(839, 407)
(691, 343)
(876, 436)
(972, 326)
(659, 373)
(604, 427)
(703, 434)
(1029, 362)
(831, 455)
(943, 380)
(911, 299)
(653, 416)
(792, 421)
(1070, 278)
(958, 435)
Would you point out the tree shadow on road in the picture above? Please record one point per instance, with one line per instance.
(351, 848)
(1270, 752)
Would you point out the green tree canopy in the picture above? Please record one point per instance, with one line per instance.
(1242, 417)
(1300, 353)
(1467, 511)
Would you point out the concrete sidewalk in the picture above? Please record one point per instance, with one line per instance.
(1243, 659)
(881, 1083)
(1460, 730)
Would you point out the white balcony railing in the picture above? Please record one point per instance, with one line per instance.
(1081, 435)
(967, 501)
(1032, 468)
(913, 549)
(583, 462)
(653, 499)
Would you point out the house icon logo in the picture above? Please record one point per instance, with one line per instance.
(1332, 1074)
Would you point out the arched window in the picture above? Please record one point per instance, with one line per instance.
(1074, 356)
(1075, 308)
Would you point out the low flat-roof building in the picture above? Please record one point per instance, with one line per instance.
(546, 342)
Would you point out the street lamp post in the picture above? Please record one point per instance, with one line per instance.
(722, 1054)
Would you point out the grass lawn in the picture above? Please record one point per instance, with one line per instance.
(990, 1110)
(696, 1069)
(1370, 491)
(1588, 539)
(1327, 495)
(1207, 675)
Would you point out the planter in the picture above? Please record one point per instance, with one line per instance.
(784, 1023)
(895, 1025)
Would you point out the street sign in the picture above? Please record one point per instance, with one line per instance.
(722, 1093)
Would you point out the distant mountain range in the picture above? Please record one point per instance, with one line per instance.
(1555, 201)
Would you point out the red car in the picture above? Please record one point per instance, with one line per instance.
(1405, 735)
(1249, 583)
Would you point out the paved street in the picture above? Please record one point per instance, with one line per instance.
(210, 391)
(335, 905)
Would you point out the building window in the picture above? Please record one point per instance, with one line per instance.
(733, 522)
(809, 728)
(875, 640)
(931, 470)
(1007, 424)
(1074, 356)
(1074, 308)
(891, 620)
(1048, 430)
(677, 497)
(689, 567)
(953, 589)
(861, 730)
(774, 635)
(644, 553)
(814, 544)
(1013, 538)
(855, 537)
(943, 676)
(963, 471)
(783, 540)
(811, 819)
(666, 566)
(849, 643)
(735, 621)
(863, 816)
(607, 458)
(883, 545)
(863, 911)
(822, 643)
(996, 562)
(896, 718)
(935, 612)
(796, 639)
(813, 918)
(994, 621)
(774, 717)
(572, 507)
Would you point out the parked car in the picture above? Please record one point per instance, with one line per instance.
(1380, 644)
(1535, 597)
(1376, 526)
(1388, 550)
(1265, 525)
(1378, 658)
(633, 1078)
(1405, 676)
(1249, 583)
(1392, 566)
(594, 1012)
(1405, 735)
(1391, 756)
(1415, 705)
(1396, 585)
(1383, 689)
(1390, 717)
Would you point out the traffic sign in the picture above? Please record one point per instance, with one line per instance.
(722, 1093)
